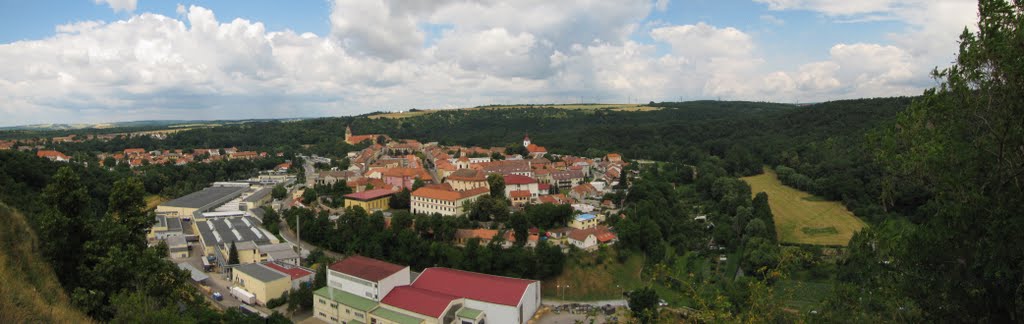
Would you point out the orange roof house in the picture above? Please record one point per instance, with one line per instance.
(53, 155)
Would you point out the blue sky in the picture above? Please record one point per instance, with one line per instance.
(115, 60)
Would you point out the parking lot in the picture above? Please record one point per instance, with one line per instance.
(577, 313)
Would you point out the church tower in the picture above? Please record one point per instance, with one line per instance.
(348, 133)
(526, 140)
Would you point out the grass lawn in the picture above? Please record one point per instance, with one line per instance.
(153, 200)
(804, 218)
(589, 280)
(802, 295)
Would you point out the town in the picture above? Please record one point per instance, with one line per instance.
(218, 233)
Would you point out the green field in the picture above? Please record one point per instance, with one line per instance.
(804, 218)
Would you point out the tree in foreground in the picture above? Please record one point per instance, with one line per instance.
(644, 304)
(965, 141)
(233, 254)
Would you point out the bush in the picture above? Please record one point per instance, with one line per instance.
(276, 302)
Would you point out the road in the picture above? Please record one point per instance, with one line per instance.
(310, 173)
(289, 236)
(613, 302)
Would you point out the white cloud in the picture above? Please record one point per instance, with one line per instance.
(380, 55)
(772, 20)
(119, 5)
(661, 5)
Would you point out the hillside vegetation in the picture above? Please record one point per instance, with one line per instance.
(30, 290)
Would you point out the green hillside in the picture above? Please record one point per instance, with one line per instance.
(30, 288)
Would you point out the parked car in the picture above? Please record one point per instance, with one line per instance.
(662, 303)
(217, 296)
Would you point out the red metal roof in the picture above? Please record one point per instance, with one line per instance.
(426, 302)
(369, 194)
(366, 268)
(518, 179)
(472, 285)
(294, 272)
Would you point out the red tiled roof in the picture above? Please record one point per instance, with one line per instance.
(366, 268)
(516, 179)
(519, 194)
(534, 148)
(294, 272)
(480, 233)
(468, 175)
(448, 195)
(51, 154)
(597, 231)
(472, 285)
(426, 302)
(369, 194)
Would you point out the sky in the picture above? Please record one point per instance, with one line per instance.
(94, 61)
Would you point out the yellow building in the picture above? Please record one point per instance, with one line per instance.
(370, 200)
(262, 281)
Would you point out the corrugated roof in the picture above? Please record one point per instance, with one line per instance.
(395, 316)
(472, 285)
(366, 268)
(205, 197)
(350, 300)
(294, 272)
(260, 272)
(421, 301)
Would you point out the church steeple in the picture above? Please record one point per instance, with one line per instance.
(348, 133)
(526, 140)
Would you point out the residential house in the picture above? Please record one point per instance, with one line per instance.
(53, 155)
(585, 221)
(589, 239)
(467, 179)
(584, 191)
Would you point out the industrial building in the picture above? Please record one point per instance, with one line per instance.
(365, 290)
(263, 282)
(200, 201)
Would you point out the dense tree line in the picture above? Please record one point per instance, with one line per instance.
(93, 227)
(422, 241)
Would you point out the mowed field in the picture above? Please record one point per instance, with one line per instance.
(804, 218)
(614, 107)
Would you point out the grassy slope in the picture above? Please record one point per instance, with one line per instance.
(589, 280)
(29, 287)
(804, 218)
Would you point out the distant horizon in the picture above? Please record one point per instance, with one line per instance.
(28, 126)
(86, 61)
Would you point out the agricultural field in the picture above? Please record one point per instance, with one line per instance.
(614, 107)
(803, 218)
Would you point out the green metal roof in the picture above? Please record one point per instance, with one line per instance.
(347, 299)
(395, 316)
(467, 312)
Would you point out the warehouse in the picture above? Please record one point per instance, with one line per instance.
(262, 281)
(200, 201)
(257, 199)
